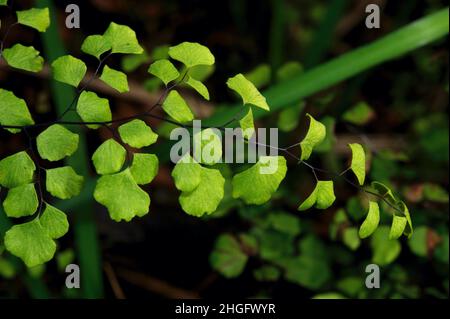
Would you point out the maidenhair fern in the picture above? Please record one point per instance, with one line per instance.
(122, 173)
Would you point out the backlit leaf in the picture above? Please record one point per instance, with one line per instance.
(191, 54)
(247, 124)
(248, 92)
(109, 157)
(187, 174)
(24, 58)
(123, 39)
(21, 201)
(54, 222)
(144, 168)
(56, 142)
(164, 70)
(64, 182)
(315, 135)
(207, 147)
(115, 79)
(122, 196)
(16, 170)
(358, 165)
(397, 227)
(38, 19)
(322, 196)
(257, 184)
(13, 111)
(199, 87)
(371, 222)
(176, 107)
(95, 45)
(384, 250)
(69, 70)
(137, 134)
(92, 108)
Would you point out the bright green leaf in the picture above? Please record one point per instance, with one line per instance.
(418, 242)
(409, 226)
(322, 196)
(257, 184)
(397, 227)
(248, 92)
(64, 182)
(56, 142)
(207, 196)
(177, 108)
(95, 45)
(227, 256)
(315, 135)
(384, 250)
(384, 192)
(21, 201)
(109, 157)
(13, 111)
(123, 198)
(16, 170)
(164, 70)
(38, 19)
(144, 168)
(137, 134)
(123, 39)
(92, 108)
(199, 87)
(207, 147)
(371, 222)
(247, 124)
(69, 70)
(187, 174)
(54, 222)
(24, 58)
(191, 54)
(31, 242)
(115, 79)
(350, 238)
(358, 165)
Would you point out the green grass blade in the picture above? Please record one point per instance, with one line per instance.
(393, 45)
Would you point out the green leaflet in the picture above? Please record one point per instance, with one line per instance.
(33, 241)
(64, 182)
(38, 19)
(247, 125)
(384, 250)
(69, 70)
(260, 76)
(115, 79)
(385, 192)
(56, 143)
(360, 114)
(358, 165)
(13, 111)
(92, 108)
(3, 2)
(187, 174)
(322, 196)
(206, 197)
(371, 222)
(21, 201)
(95, 45)
(132, 62)
(176, 107)
(137, 134)
(109, 157)
(267, 273)
(164, 70)
(24, 58)
(315, 135)
(123, 198)
(199, 87)
(289, 117)
(144, 168)
(285, 223)
(397, 227)
(228, 257)
(123, 39)
(307, 271)
(257, 184)
(191, 54)
(418, 242)
(409, 227)
(16, 170)
(207, 147)
(350, 238)
(248, 92)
